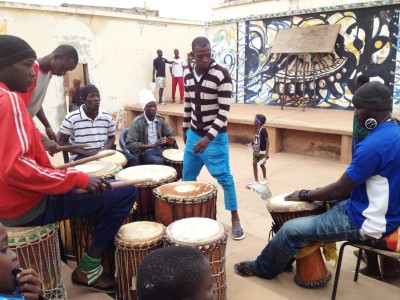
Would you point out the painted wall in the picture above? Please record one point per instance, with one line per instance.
(366, 44)
(119, 48)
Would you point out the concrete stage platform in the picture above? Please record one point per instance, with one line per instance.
(286, 172)
(318, 132)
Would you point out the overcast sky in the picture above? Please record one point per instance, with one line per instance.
(180, 9)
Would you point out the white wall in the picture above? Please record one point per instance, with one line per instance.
(119, 48)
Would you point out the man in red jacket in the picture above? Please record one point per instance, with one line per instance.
(32, 192)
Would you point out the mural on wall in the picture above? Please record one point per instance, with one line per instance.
(366, 44)
(224, 49)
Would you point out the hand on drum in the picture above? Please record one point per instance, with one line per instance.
(92, 152)
(97, 185)
(201, 145)
(293, 196)
(29, 284)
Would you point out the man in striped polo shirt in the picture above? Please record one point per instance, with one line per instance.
(90, 124)
(208, 91)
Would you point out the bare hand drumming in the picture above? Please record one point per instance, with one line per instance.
(29, 284)
(201, 145)
(293, 196)
(97, 185)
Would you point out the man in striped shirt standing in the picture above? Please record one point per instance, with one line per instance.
(208, 91)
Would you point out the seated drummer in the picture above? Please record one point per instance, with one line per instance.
(15, 281)
(372, 180)
(149, 133)
(90, 124)
(32, 192)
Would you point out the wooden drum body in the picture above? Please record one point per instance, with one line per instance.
(38, 248)
(310, 270)
(180, 200)
(174, 158)
(148, 178)
(133, 243)
(207, 235)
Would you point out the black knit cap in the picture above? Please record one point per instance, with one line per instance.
(14, 49)
(86, 90)
(374, 96)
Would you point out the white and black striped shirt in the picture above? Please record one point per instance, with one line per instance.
(207, 101)
(81, 129)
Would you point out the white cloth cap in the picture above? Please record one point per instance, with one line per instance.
(145, 97)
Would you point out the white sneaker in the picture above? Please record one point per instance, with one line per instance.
(163, 103)
(264, 181)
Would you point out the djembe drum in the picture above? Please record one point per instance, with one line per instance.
(105, 169)
(147, 177)
(179, 200)
(207, 235)
(38, 248)
(174, 158)
(310, 270)
(133, 243)
(117, 158)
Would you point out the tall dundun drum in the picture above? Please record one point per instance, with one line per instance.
(38, 248)
(147, 177)
(185, 199)
(310, 270)
(207, 235)
(133, 243)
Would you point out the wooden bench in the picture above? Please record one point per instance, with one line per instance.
(318, 132)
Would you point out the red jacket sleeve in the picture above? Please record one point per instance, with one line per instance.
(24, 163)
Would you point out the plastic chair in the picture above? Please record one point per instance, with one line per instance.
(122, 138)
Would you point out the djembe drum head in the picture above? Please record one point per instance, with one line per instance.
(207, 235)
(133, 243)
(179, 200)
(147, 177)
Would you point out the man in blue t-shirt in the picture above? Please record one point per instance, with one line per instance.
(159, 73)
(373, 209)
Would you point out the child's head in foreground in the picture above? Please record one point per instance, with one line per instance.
(175, 273)
(8, 262)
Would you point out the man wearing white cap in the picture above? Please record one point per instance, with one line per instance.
(149, 133)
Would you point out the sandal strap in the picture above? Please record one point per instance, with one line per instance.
(93, 275)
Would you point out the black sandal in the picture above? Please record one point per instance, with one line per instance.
(244, 269)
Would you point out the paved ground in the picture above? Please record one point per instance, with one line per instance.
(286, 172)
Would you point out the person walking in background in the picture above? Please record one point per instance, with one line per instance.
(178, 65)
(208, 92)
(159, 74)
(260, 147)
(74, 97)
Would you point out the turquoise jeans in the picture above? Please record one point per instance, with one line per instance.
(216, 160)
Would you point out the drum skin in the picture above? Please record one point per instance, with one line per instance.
(133, 243)
(150, 177)
(209, 237)
(174, 158)
(180, 200)
(38, 248)
(311, 270)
